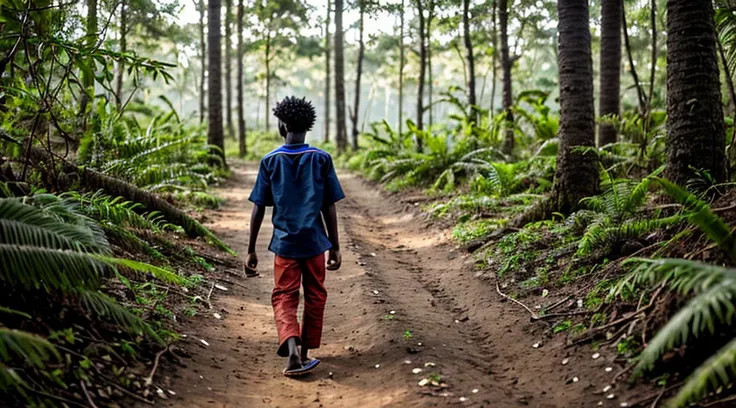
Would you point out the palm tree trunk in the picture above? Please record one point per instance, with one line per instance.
(634, 75)
(402, 62)
(577, 172)
(422, 70)
(469, 57)
(215, 135)
(610, 70)
(361, 52)
(328, 77)
(494, 60)
(695, 129)
(508, 97)
(88, 79)
(243, 149)
(268, 81)
(123, 49)
(429, 63)
(342, 140)
(228, 68)
(203, 62)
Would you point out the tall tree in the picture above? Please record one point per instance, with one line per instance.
(506, 65)
(470, 63)
(577, 171)
(422, 69)
(695, 129)
(88, 78)
(610, 75)
(203, 60)
(228, 67)
(402, 62)
(359, 69)
(342, 138)
(328, 77)
(242, 146)
(123, 49)
(215, 135)
(494, 59)
(430, 80)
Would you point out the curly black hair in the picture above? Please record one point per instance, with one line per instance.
(298, 114)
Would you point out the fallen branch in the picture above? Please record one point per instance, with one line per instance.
(149, 379)
(209, 295)
(720, 401)
(534, 315)
(656, 396)
(86, 394)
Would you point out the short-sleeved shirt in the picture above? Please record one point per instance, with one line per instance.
(298, 181)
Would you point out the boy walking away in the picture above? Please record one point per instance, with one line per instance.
(300, 183)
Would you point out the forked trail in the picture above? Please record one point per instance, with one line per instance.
(404, 300)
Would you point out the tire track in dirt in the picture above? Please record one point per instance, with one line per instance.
(391, 263)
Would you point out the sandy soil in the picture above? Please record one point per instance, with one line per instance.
(405, 299)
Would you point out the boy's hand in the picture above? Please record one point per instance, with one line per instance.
(251, 264)
(334, 260)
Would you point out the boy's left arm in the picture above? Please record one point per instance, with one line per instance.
(333, 194)
(334, 258)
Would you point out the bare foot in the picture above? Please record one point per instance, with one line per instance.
(294, 363)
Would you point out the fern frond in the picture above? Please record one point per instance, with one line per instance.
(34, 267)
(702, 216)
(140, 267)
(31, 348)
(22, 224)
(106, 307)
(718, 370)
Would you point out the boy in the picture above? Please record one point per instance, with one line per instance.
(300, 183)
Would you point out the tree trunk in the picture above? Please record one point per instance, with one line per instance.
(695, 128)
(494, 60)
(228, 68)
(361, 51)
(429, 63)
(508, 96)
(422, 71)
(268, 81)
(634, 75)
(203, 62)
(243, 149)
(610, 70)
(328, 77)
(88, 79)
(123, 49)
(342, 138)
(470, 84)
(577, 172)
(214, 79)
(402, 62)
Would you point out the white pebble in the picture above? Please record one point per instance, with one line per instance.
(596, 356)
(607, 388)
(378, 366)
(537, 344)
(392, 312)
(565, 361)
(610, 396)
(204, 342)
(575, 379)
(463, 399)
(624, 404)
(609, 369)
(475, 391)
(407, 361)
(217, 316)
(423, 382)
(417, 370)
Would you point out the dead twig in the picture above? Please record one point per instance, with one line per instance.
(498, 289)
(86, 394)
(149, 379)
(720, 401)
(621, 373)
(655, 396)
(209, 295)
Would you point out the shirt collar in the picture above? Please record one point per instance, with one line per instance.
(295, 146)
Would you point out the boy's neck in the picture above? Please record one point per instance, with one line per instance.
(295, 138)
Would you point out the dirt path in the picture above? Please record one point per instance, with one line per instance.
(404, 299)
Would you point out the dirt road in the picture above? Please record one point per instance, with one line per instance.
(404, 300)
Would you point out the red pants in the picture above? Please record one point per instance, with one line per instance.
(288, 275)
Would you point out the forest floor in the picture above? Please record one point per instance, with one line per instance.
(405, 299)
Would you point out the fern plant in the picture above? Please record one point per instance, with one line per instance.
(48, 244)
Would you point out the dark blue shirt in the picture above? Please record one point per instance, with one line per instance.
(298, 181)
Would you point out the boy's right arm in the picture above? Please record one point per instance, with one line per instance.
(256, 219)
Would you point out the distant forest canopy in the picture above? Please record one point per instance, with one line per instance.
(171, 34)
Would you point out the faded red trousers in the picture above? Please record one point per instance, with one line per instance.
(288, 276)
